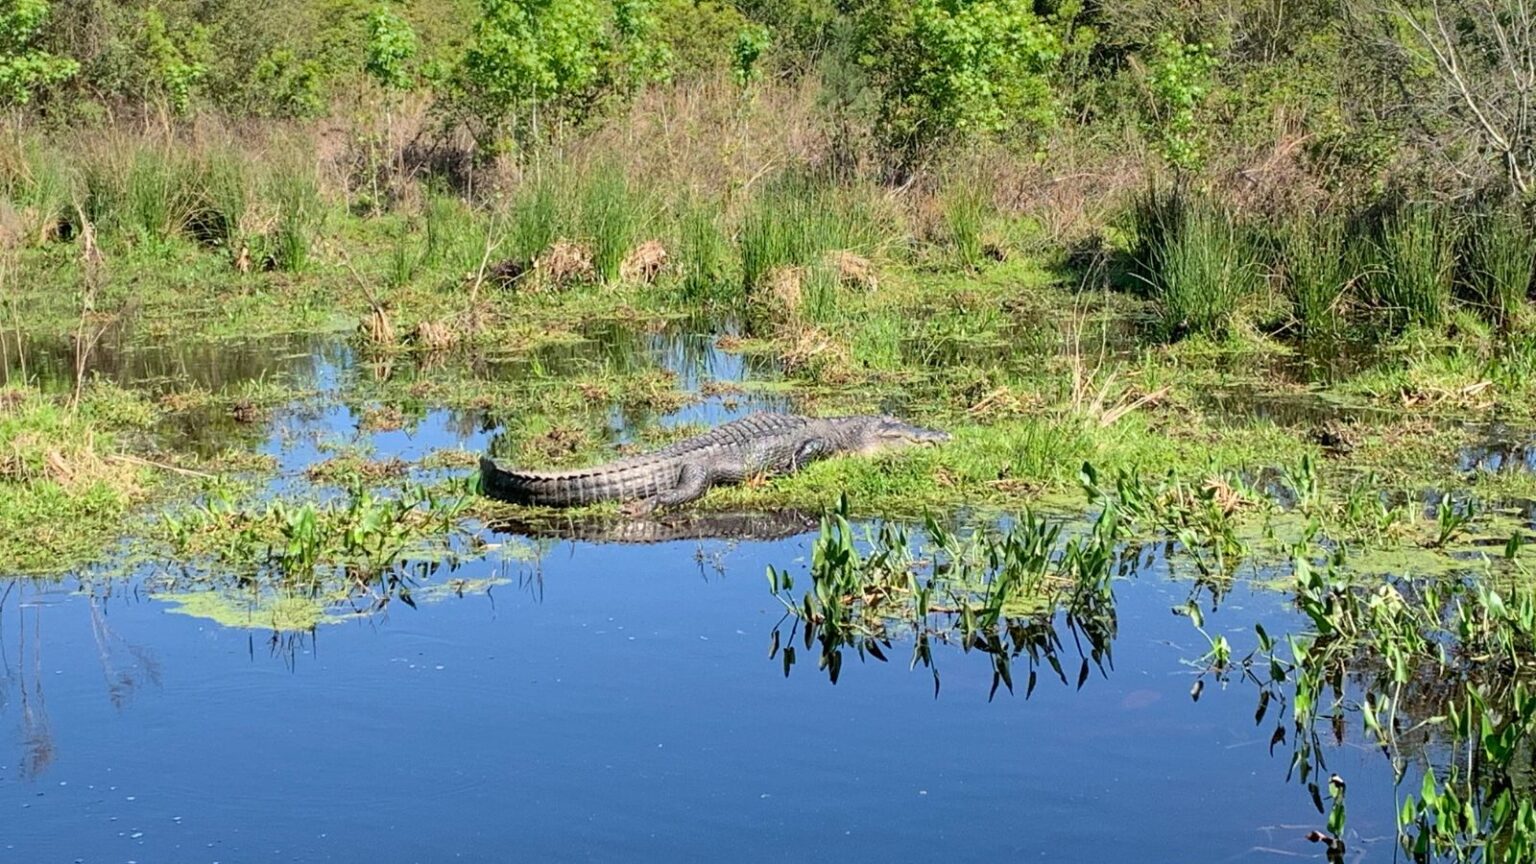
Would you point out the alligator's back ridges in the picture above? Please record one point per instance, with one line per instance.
(733, 434)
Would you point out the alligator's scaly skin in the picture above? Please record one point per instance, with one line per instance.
(759, 444)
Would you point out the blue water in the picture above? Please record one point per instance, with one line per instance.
(619, 705)
(618, 702)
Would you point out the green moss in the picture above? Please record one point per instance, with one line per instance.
(253, 612)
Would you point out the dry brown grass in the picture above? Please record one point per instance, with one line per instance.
(644, 263)
(435, 335)
(377, 328)
(564, 264)
(853, 270)
(786, 289)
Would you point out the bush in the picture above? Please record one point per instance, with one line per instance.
(949, 69)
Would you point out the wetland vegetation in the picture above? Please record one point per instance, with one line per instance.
(1239, 294)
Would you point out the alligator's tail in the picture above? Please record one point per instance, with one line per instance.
(565, 488)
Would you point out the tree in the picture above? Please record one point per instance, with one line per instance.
(536, 64)
(951, 69)
(391, 46)
(1472, 64)
(24, 69)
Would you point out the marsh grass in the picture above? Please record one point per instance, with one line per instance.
(64, 490)
(445, 232)
(539, 215)
(1500, 262)
(966, 209)
(703, 253)
(1316, 260)
(222, 199)
(39, 186)
(795, 220)
(613, 213)
(1200, 263)
(1412, 277)
(142, 191)
(294, 193)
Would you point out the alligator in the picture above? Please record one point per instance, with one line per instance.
(756, 445)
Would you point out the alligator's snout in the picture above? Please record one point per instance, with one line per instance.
(891, 433)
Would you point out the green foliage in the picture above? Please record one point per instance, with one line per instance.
(392, 45)
(24, 68)
(534, 63)
(746, 50)
(948, 69)
(174, 59)
(291, 87)
(1179, 78)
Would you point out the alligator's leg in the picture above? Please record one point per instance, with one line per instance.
(692, 482)
(808, 452)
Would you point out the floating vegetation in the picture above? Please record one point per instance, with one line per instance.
(281, 562)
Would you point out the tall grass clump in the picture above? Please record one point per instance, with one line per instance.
(965, 216)
(221, 199)
(612, 214)
(1198, 261)
(297, 197)
(1317, 262)
(444, 233)
(141, 191)
(1501, 260)
(796, 220)
(537, 216)
(702, 252)
(35, 180)
(1412, 277)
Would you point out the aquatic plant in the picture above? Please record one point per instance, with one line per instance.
(703, 252)
(1317, 264)
(1004, 597)
(965, 213)
(299, 213)
(318, 546)
(612, 215)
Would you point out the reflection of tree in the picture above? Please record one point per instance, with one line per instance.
(122, 678)
(36, 731)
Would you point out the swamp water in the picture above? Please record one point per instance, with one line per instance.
(576, 699)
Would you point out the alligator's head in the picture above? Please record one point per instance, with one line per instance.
(886, 433)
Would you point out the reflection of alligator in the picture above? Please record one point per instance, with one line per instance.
(771, 525)
(683, 472)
